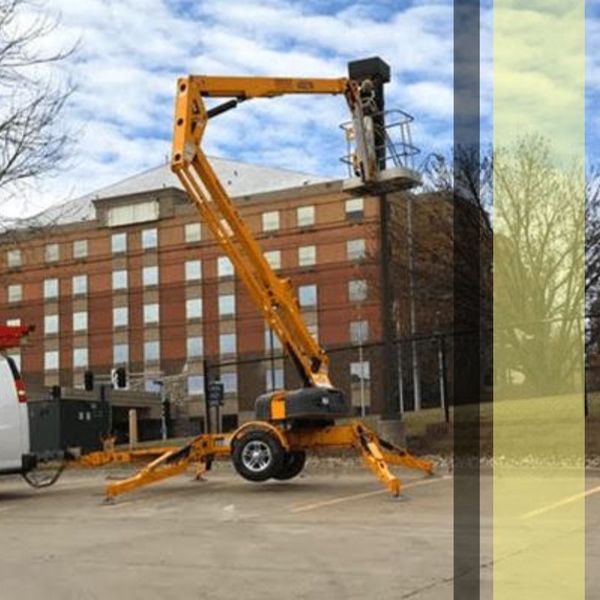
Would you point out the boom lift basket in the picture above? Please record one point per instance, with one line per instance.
(392, 143)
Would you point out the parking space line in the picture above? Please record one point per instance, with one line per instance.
(341, 499)
(570, 499)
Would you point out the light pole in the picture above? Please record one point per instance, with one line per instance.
(163, 416)
(272, 353)
(399, 355)
(413, 317)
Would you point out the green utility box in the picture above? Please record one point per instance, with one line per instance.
(58, 424)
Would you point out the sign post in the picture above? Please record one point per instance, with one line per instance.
(216, 396)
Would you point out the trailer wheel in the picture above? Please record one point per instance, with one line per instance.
(292, 466)
(258, 455)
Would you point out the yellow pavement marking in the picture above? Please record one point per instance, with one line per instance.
(340, 499)
(563, 502)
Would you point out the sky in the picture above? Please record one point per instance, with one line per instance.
(130, 53)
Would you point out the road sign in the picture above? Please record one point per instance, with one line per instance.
(216, 393)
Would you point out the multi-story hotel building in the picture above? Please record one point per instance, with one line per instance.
(128, 276)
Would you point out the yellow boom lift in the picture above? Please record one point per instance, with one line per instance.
(288, 423)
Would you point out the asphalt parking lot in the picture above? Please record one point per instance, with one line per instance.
(326, 535)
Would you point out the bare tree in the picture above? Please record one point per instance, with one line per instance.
(33, 94)
(538, 274)
(592, 262)
(467, 173)
(423, 245)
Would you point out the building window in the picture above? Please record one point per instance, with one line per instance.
(227, 343)
(307, 256)
(133, 213)
(193, 270)
(276, 341)
(13, 258)
(150, 385)
(150, 313)
(50, 289)
(79, 284)
(80, 358)
(356, 249)
(355, 209)
(15, 292)
(119, 280)
(359, 331)
(120, 316)
(118, 243)
(80, 249)
(193, 308)
(195, 347)
(195, 385)
(51, 360)
(149, 238)
(120, 354)
(193, 233)
(80, 321)
(277, 375)
(270, 220)
(224, 267)
(360, 370)
(230, 383)
(360, 380)
(151, 351)
(357, 290)
(50, 324)
(51, 253)
(226, 305)
(13, 322)
(307, 295)
(305, 216)
(150, 276)
(273, 257)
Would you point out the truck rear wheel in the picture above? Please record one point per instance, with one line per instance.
(258, 455)
(292, 466)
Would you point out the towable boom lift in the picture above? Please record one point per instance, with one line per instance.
(288, 423)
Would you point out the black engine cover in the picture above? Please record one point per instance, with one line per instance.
(306, 403)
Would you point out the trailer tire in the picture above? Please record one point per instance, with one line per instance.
(258, 455)
(292, 466)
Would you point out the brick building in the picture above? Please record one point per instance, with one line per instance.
(128, 276)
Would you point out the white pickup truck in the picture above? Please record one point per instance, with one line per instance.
(15, 454)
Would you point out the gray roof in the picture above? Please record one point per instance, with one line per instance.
(239, 179)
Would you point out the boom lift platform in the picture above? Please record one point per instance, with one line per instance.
(288, 423)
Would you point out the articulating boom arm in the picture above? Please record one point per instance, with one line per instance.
(274, 296)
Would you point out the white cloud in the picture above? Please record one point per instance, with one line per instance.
(131, 52)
